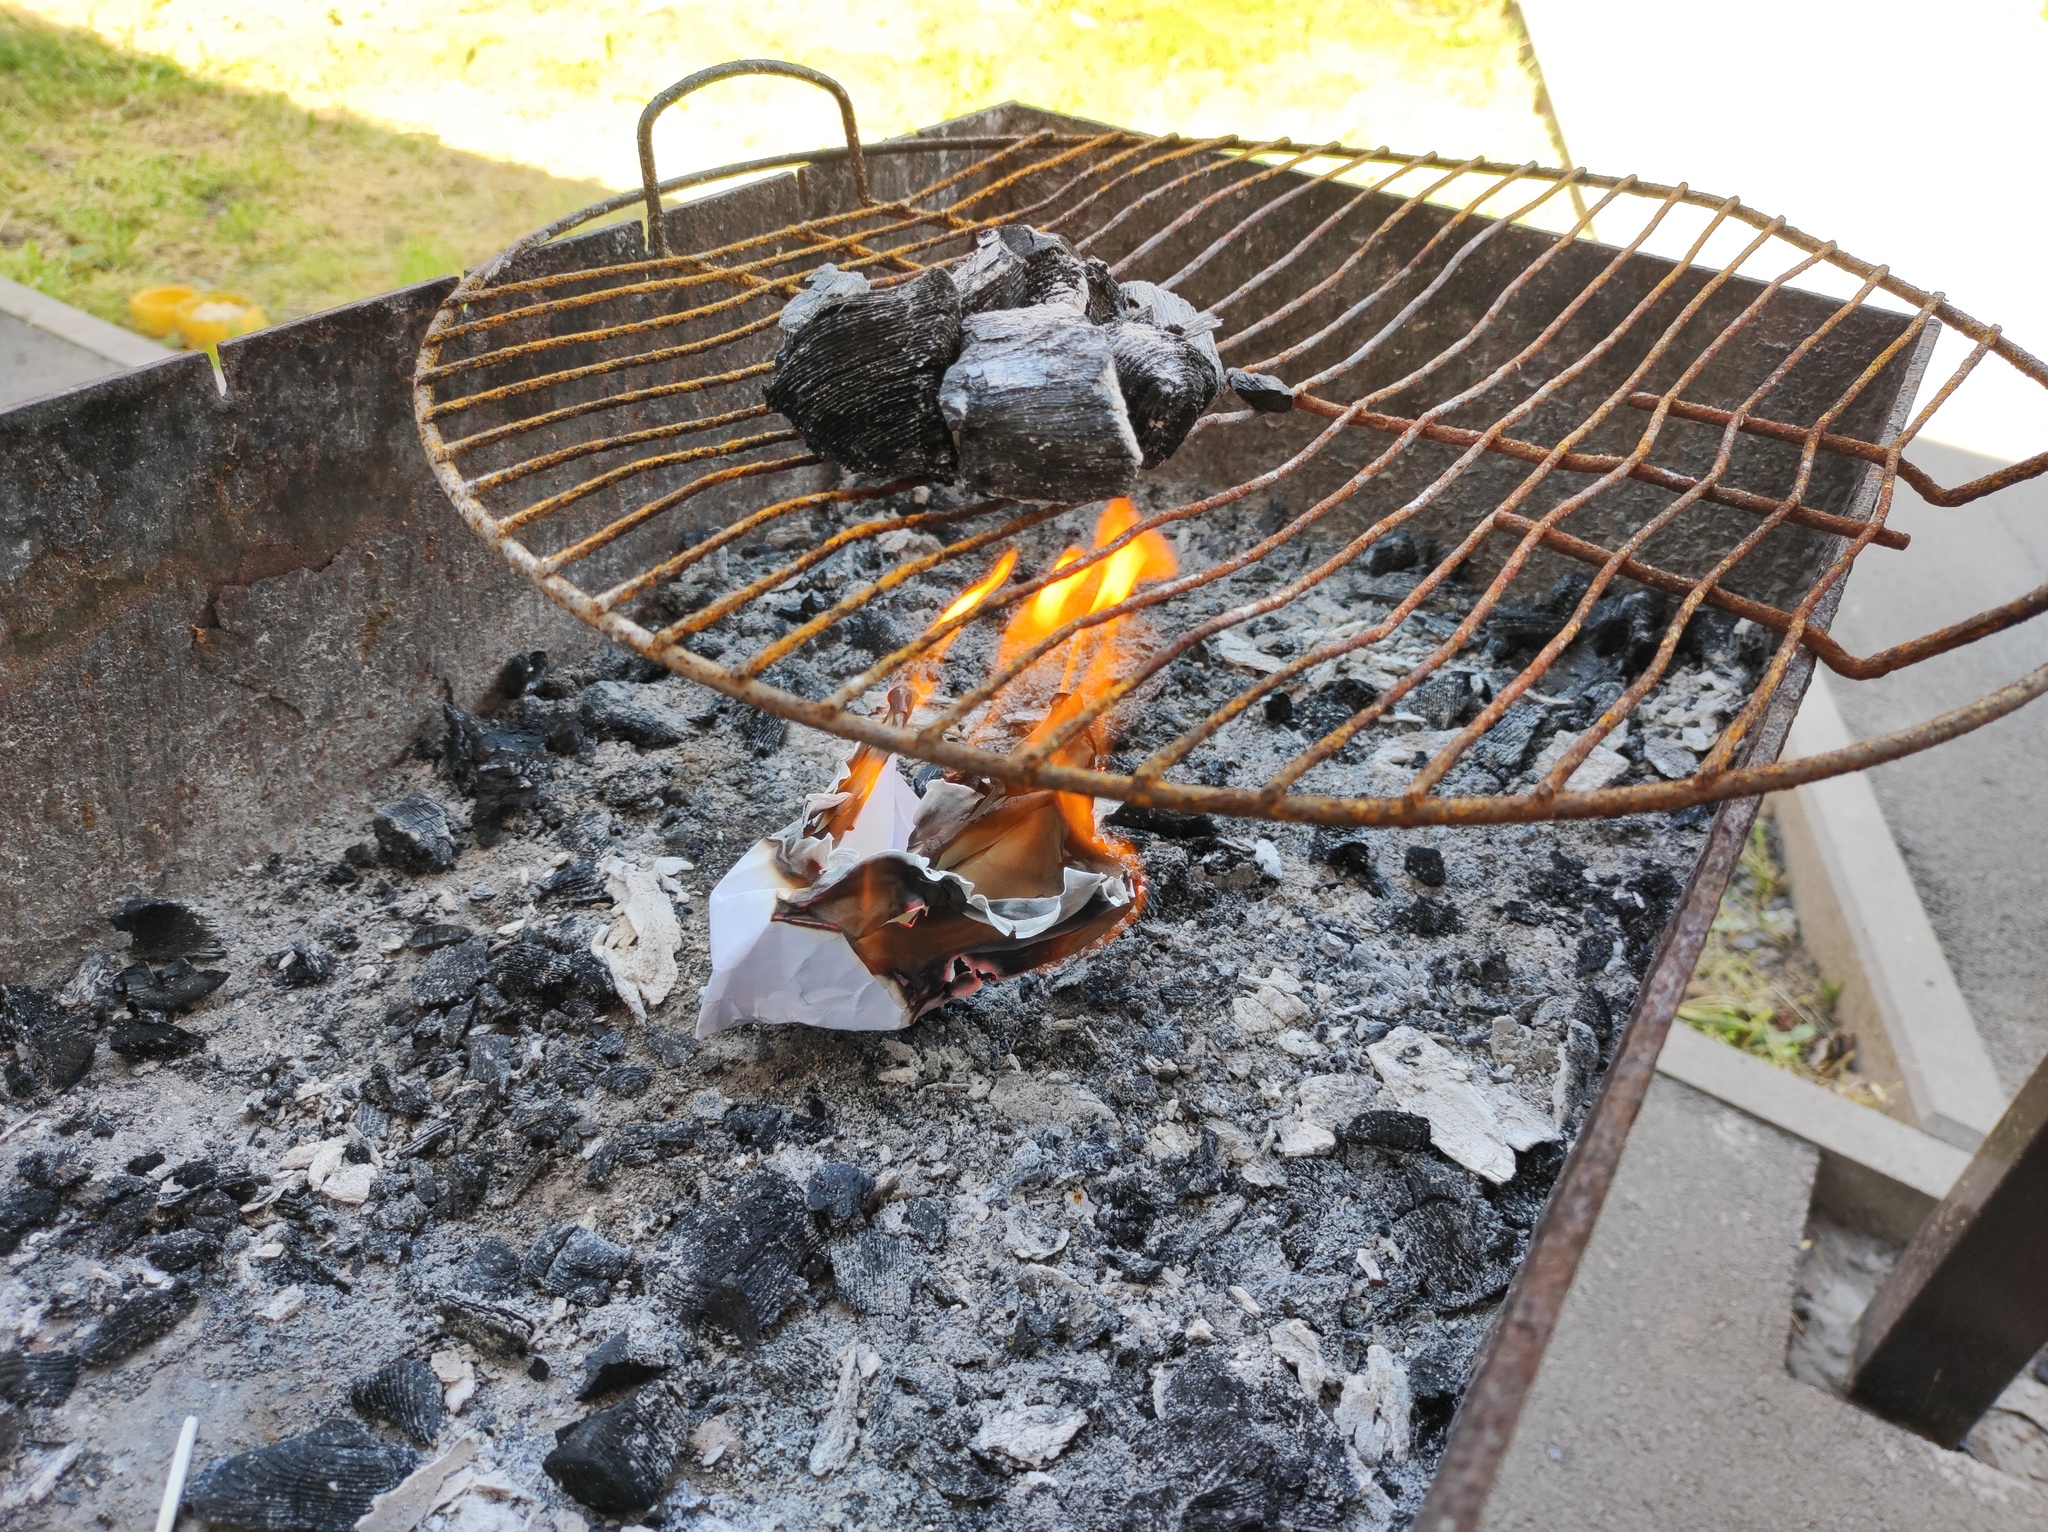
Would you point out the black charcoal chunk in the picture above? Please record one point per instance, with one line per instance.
(1017, 266)
(619, 1460)
(323, 1481)
(742, 1266)
(1396, 551)
(1503, 748)
(452, 974)
(838, 1192)
(875, 1272)
(1167, 382)
(628, 1359)
(502, 769)
(29, 1378)
(405, 1394)
(1163, 822)
(1425, 864)
(1148, 303)
(1353, 858)
(860, 377)
(489, 1061)
(304, 964)
(575, 883)
(181, 1250)
(415, 834)
(626, 1081)
(621, 710)
(177, 987)
(161, 929)
(1261, 391)
(491, 1269)
(1447, 700)
(434, 937)
(1034, 404)
(138, 1038)
(1227, 1453)
(53, 1048)
(1389, 1130)
(1429, 917)
(135, 1322)
(521, 674)
(487, 1325)
(571, 1262)
(823, 285)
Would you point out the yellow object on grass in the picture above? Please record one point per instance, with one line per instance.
(207, 319)
(155, 309)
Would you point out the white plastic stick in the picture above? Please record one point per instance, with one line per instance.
(181, 1461)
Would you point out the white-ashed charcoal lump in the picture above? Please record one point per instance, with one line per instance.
(1035, 409)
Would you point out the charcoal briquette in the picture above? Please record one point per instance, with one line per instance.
(626, 1360)
(1235, 1454)
(1395, 551)
(304, 964)
(859, 377)
(134, 1322)
(54, 1046)
(503, 769)
(451, 974)
(620, 1459)
(1034, 404)
(405, 1394)
(1260, 391)
(177, 987)
(583, 1266)
(1162, 308)
(323, 1481)
(1168, 823)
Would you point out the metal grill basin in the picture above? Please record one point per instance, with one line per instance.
(1528, 401)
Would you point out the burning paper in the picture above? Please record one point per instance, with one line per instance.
(878, 903)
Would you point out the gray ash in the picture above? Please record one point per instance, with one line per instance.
(1144, 1224)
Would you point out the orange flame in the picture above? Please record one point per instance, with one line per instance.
(1088, 662)
(864, 766)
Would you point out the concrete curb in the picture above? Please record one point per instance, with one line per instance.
(1862, 920)
(1876, 1173)
(78, 327)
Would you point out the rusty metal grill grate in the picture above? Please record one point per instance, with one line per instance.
(1708, 428)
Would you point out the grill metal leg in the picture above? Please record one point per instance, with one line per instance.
(1967, 1305)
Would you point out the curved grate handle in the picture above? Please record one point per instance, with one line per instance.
(650, 184)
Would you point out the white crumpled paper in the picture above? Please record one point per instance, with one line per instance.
(776, 970)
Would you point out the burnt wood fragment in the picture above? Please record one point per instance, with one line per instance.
(135, 1322)
(744, 1265)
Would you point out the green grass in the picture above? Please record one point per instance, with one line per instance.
(1756, 988)
(118, 170)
